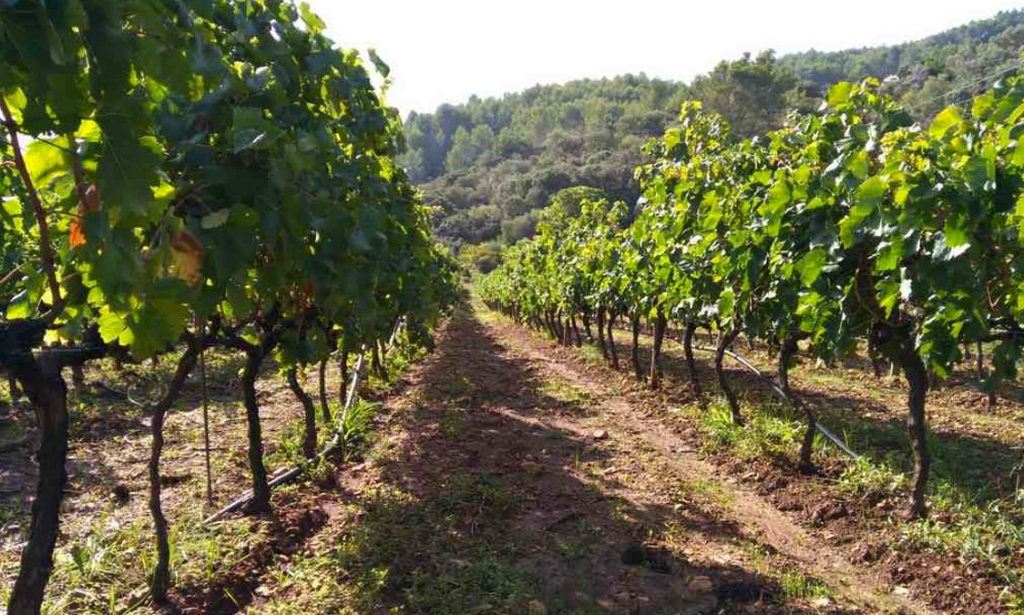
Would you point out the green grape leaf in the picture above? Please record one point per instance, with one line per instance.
(811, 265)
(839, 93)
(215, 219)
(946, 119)
(111, 326)
(379, 64)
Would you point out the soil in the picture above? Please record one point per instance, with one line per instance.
(511, 474)
(610, 510)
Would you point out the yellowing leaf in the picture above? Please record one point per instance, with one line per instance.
(76, 234)
(187, 257)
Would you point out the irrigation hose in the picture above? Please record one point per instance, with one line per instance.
(832, 437)
(778, 390)
(283, 476)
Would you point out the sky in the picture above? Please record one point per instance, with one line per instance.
(446, 50)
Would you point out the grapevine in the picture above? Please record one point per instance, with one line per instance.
(848, 224)
(188, 175)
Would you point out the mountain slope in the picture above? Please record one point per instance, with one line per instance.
(490, 164)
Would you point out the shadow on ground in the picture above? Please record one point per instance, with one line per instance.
(482, 507)
(983, 467)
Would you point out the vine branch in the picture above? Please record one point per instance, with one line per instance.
(45, 247)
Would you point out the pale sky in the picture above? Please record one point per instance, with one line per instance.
(446, 50)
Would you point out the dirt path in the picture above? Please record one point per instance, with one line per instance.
(754, 515)
(512, 478)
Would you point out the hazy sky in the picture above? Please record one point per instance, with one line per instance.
(446, 50)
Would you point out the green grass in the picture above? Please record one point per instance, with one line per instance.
(870, 480)
(105, 567)
(355, 425)
(975, 529)
(989, 535)
(966, 522)
(12, 432)
(794, 584)
(770, 429)
(451, 422)
(107, 570)
(420, 555)
(395, 363)
(564, 392)
(592, 354)
(710, 492)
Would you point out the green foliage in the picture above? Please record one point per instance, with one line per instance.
(483, 257)
(753, 95)
(489, 164)
(589, 132)
(401, 553)
(168, 166)
(770, 432)
(846, 223)
(928, 74)
(354, 426)
(870, 480)
(261, 182)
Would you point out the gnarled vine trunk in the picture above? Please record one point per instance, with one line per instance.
(260, 502)
(343, 368)
(600, 333)
(161, 579)
(12, 388)
(42, 382)
(990, 398)
(979, 361)
(325, 408)
(691, 363)
(786, 352)
(78, 376)
(634, 351)
(876, 360)
(660, 323)
(613, 352)
(898, 344)
(378, 365)
(724, 341)
(308, 411)
(917, 380)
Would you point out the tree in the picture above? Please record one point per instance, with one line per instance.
(751, 95)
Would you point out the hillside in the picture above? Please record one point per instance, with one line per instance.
(932, 72)
(490, 164)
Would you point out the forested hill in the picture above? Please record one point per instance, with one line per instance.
(933, 71)
(491, 164)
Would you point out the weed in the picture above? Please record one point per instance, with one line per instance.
(564, 392)
(795, 585)
(592, 354)
(354, 427)
(451, 422)
(872, 481)
(768, 431)
(710, 492)
(420, 554)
